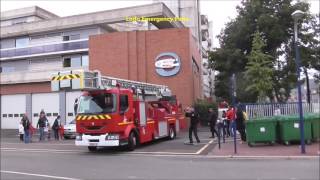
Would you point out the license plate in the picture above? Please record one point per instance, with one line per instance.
(93, 144)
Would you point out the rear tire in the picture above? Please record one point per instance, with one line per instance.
(172, 133)
(92, 148)
(132, 141)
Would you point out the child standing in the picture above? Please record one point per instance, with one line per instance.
(21, 131)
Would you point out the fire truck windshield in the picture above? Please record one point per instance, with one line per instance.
(100, 103)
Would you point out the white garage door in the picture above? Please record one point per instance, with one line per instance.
(49, 102)
(70, 98)
(12, 109)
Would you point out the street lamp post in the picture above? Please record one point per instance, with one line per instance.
(296, 16)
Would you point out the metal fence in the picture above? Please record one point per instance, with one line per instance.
(272, 109)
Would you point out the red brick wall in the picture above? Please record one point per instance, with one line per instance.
(25, 88)
(131, 55)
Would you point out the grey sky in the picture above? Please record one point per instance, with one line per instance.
(218, 11)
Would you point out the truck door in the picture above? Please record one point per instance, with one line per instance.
(125, 108)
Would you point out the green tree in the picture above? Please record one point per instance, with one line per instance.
(259, 69)
(274, 21)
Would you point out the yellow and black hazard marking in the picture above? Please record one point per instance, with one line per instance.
(65, 77)
(92, 117)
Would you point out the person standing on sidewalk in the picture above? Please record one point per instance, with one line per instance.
(213, 121)
(26, 127)
(21, 131)
(240, 124)
(194, 119)
(230, 117)
(41, 124)
(55, 128)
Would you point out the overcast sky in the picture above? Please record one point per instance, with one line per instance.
(218, 11)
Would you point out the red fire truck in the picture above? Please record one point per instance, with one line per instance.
(118, 112)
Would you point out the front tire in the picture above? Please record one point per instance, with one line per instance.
(172, 133)
(132, 141)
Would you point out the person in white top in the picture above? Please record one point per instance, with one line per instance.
(21, 131)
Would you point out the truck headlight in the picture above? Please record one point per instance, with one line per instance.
(112, 137)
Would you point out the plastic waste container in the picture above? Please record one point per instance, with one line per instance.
(289, 129)
(261, 131)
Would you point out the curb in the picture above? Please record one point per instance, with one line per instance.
(264, 157)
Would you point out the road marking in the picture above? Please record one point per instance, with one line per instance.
(51, 144)
(189, 155)
(164, 153)
(204, 147)
(38, 175)
(45, 150)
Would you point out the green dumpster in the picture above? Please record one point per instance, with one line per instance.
(261, 131)
(289, 129)
(315, 125)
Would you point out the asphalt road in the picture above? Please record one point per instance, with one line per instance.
(161, 160)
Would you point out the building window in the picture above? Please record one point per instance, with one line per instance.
(6, 69)
(4, 115)
(71, 37)
(85, 60)
(22, 42)
(67, 62)
(76, 61)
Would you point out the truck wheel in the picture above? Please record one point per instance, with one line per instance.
(92, 148)
(172, 133)
(132, 143)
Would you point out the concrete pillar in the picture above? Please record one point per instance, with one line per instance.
(29, 106)
(62, 106)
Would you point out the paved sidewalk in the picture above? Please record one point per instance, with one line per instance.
(227, 149)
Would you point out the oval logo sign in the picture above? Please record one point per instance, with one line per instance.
(167, 64)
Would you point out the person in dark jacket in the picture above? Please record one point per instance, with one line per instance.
(240, 124)
(213, 121)
(55, 128)
(42, 124)
(26, 127)
(194, 118)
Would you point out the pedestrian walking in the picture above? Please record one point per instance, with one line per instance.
(225, 124)
(55, 128)
(213, 121)
(32, 131)
(240, 124)
(21, 131)
(41, 125)
(230, 117)
(61, 131)
(194, 119)
(26, 127)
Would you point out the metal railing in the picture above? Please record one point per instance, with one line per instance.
(44, 48)
(272, 109)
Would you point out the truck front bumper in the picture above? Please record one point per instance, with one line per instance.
(97, 140)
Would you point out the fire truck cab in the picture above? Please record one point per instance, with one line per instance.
(118, 112)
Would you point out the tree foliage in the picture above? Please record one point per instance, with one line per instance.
(258, 71)
(273, 19)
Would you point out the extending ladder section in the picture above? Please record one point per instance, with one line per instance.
(93, 80)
